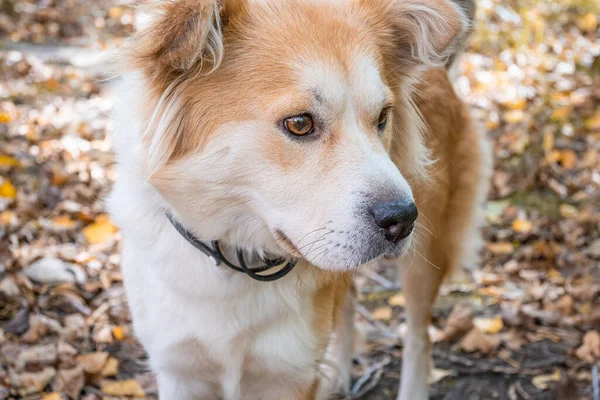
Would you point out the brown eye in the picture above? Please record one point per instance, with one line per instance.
(300, 125)
(383, 117)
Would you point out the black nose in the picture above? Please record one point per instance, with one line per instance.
(397, 218)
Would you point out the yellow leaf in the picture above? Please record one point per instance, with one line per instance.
(568, 159)
(561, 114)
(52, 396)
(6, 161)
(542, 381)
(555, 277)
(115, 12)
(382, 313)
(593, 122)
(8, 190)
(6, 217)
(518, 104)
(489, 325)
(4, 117)
(64, 221)
(123, 388)
(568, 211)
(397, 300)
(548, 141)
(588, 23)
(118, 332)
(52, 84)
(521, 226)
(500, 247)
(514, 116)
(100, 231)
(111, 368)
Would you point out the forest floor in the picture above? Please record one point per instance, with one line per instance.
(522, 324)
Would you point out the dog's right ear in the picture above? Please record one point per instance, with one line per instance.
(182, 34)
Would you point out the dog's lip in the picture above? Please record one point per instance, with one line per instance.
(285, 242)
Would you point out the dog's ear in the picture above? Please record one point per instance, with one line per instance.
(181, 34)
(425, 32)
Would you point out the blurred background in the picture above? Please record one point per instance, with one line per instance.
(523, 324)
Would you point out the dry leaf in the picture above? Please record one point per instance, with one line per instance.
(542, 381)
(122, 388)
(7, 190)
(489, 325)
(588, 23)
(437, 375)
(4, 117)
(6, 161)
(589, 351)
(500, 247)
(70, 381)
(52, 396)
(521, 226)
(382, 313)
(476, 340)
(593, 123)
(118, 332)
(459, 322)
(111, 368)
(100, 231)
(397, 300)
(93, 363)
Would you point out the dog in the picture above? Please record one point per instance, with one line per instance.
(268, 149)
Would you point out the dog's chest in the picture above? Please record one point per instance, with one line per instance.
(254, 343)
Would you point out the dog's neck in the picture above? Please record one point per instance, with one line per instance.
(267, 270)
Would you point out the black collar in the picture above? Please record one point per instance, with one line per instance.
(215, 253)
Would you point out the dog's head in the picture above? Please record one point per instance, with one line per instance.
(267, 124)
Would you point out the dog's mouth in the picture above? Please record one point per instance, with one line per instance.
(345, 257)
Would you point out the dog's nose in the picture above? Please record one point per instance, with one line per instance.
(397, 218)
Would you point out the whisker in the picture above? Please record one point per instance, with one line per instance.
(429, 262)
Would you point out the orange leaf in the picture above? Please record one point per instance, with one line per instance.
(8, 190)
(521, 226)
(100, 231)
(6, 161)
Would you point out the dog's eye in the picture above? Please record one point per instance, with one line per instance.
(300, 125)
(383, 118)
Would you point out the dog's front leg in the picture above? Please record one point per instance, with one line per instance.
(421, 282)
(174, 388)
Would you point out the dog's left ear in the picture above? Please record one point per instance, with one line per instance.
(425, 32)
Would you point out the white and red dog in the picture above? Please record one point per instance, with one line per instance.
(267, 149)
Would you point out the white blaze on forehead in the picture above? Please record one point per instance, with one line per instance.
(327, 83)
(367, 86)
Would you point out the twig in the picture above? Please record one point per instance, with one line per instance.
(375, 277)
(522, 392)
(377, 369)
(382, 327)
(595, 387)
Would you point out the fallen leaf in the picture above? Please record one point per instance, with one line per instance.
(593, 123)
(99, 231)
(588, 23)
(500, 247)
(54, 270)
(561, 114)
(122, 388)
(32, 382)
(459, 322)
(437, 375)
(589, 351)
(6, 161)
(52, 396)
(476, 340)
(542, 381)
(111, 368)
(397, 300)
(568, 211)
(7, 190)
(63, 222)
(382, 313)
(521, 226)
(118, 333)
(70, 381)
(93, 363)
(4, 117)
(489, 325)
